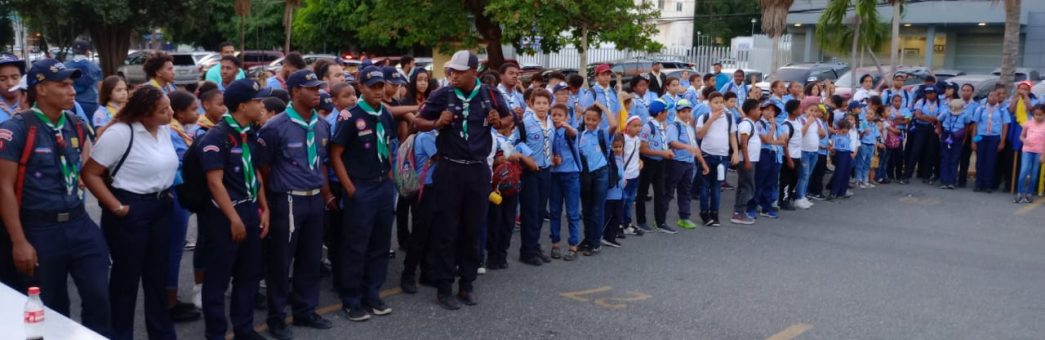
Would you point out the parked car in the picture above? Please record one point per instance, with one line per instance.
(806, 73)
(423, 62)
(752, 76)
(944, 74)
(627, 68)
(1038, 90)
(185, 70)
(1022, 73)
(258, 58)
(915, 76)
(276, 65)
(206, 62)
(983, 83)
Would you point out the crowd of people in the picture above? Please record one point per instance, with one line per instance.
(319, 158)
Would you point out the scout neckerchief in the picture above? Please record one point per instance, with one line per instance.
(11, 110)
(166, 89)
(310, 135)
(248, 163)
(111, 110)
(605, 94)
(464, 106)
(990, 109)
(382, 147)
(68, 170)
(1021, 111)
(507, 96)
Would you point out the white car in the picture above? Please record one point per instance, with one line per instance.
(185, 70)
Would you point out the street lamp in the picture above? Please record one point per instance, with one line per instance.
(753, 21)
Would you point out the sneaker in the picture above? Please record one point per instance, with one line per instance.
(556, 253)
(378, 307)
(741, 218)
(481, 270)
(752, 215)
(634, 231)
(870, 185)
(184, 312)
(1018, 199)
(611, 243)
(645, 228)
(803, 203)
(664, 228)
(787, 205)
(772, 214)
(591, 252)
(355, 313)
(848, 193)
(816, 197)
(197, 295)
(726, 186)
(570, 255)
(448, 302)
(686, 224)
(312, 321)
(862, 185)
(715, 222)
(706, 217)
(466, 298)
(532, 260)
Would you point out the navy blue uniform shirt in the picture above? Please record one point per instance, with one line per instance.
(479, 142)
(44, 189)
(282, 146)
(221, 148)
(358, 135)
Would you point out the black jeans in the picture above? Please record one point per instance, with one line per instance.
(789, 179)
(816, 180)
(652, 175)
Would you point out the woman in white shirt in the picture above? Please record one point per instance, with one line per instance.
(137, 207)
(866, 89)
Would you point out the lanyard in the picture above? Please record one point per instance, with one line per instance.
(248, 163)
(382, 145)
(310, 136)
(464, 106)
(68, 170)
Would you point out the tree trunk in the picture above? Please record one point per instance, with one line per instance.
(852, 56)
(242, 35)
(895, 48)
(877, 64)
(1010, 42)
(583, 52)
(288, 20)
(490, 31)
(112, 41)
(776, 57)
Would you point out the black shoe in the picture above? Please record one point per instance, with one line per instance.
(260, 302)
(609, 242)
(378, 307)
(715, 222)
(355, 313)
(786, 205)
(252, 335)
(312, 321)
(325, 270)
(466, 299)
(408, 285)
(184, 312)
(706, 218)
(544, 257)
(448, 302)
(532, 260)
(502, 265)
(279, 329)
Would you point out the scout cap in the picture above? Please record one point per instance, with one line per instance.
(242, 91)
(50, 69)
(371, 76)
(303, 78)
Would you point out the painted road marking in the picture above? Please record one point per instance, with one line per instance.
(577, 295)
(1027, 208)
(615, 302)
(323, 310)
(791, 332)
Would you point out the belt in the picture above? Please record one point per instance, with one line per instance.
(52, 216)
(463, 161)
(156, 196)
(234, 203)
(307, 193)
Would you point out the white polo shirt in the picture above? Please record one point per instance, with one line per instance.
(151, 164)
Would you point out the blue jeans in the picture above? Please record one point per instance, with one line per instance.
(863, 162)
(711, 190)
(1029, 167)
(566, 189)
(631, 190)
(808, 163)
(593, 204)
(881, 173)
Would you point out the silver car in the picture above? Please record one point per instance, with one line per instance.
(185, 70)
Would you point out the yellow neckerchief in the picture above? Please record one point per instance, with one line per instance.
(113, 110)
(1021, 111)
(205, 122)
(176, 126)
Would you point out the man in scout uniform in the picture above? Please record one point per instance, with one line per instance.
(464, 113)
(361, 157)
(42, 204)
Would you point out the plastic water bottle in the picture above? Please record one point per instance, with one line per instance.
(34, 315)
(720, 171)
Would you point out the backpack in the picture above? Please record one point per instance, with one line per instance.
(193, 192)
(507, 178)
(30, 144)
(704, 120)
(407, 180)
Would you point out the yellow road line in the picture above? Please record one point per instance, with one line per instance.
(791, 332)
(1027, 208)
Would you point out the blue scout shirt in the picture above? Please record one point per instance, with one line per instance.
(824, 143)
(928, 109)
(566, 148)
(358, 135)
(955, 122)
(678, 131)
(842, 142)
(741, 90)
(512, 144)
(180, 147)
(998, 115)
(222, 149)
(451, 143)
(781, 132)
(44, 189)
(616, 190)
(283, 147)
(670, 100)
(691, 95)
(868, 132)
(584, 99)
(87, 85)
(539, 140)
(424, 150)
(654, 133)
(513, 97)
(7, 110)
(887, 97)
(640, 105)
(781, 115)
(591, 150)
(606, 96)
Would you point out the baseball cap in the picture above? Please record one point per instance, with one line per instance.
(50, 69)
(855, 105)
(371, 76)
(657, 106)
(602, 68)
(929, 89)
(393, 76)
(326, 102)
(8, 59)
(242, 91)
(303, 78)
(683, 104)
(559, 87)
(463, 60)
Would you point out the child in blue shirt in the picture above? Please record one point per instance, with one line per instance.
(536, 184)
(992, 126)
(565, 184)
(593, 149)
(868, 137)
(682, 138)
(614, 230)
(767, 170)
(654, 150)
(417, 245)
(952, 136)
(842, 149)
(501, 218)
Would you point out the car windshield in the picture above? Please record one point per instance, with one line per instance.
(184, 60)
(793, 74)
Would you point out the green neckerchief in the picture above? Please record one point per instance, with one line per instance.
(382, 144)
(464, 106)
(68, 170)
(310, 137)
(248, 163)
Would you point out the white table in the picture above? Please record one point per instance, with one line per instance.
(56, 326)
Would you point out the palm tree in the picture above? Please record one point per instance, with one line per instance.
(1010, 42)
(864, 30)
(774, 24)
(288, 19)
(894, 48)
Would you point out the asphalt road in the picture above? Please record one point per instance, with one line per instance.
(895, 262)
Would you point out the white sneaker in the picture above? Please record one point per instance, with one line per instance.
(870, 185)
(802, 203)
(862, 185)
(848, 193)
(197, 295)
(482, 271)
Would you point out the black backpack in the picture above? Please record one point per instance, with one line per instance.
(193, 192)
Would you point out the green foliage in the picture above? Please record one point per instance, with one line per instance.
(443, 24)
(563, 23)
(329, 25)
(835, 29)
(718, 19)
(215, 21)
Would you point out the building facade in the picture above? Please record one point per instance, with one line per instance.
(675, 25)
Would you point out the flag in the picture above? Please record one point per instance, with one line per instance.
(622, 116)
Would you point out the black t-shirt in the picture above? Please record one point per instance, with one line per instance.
(358, 135)
(450, 142)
